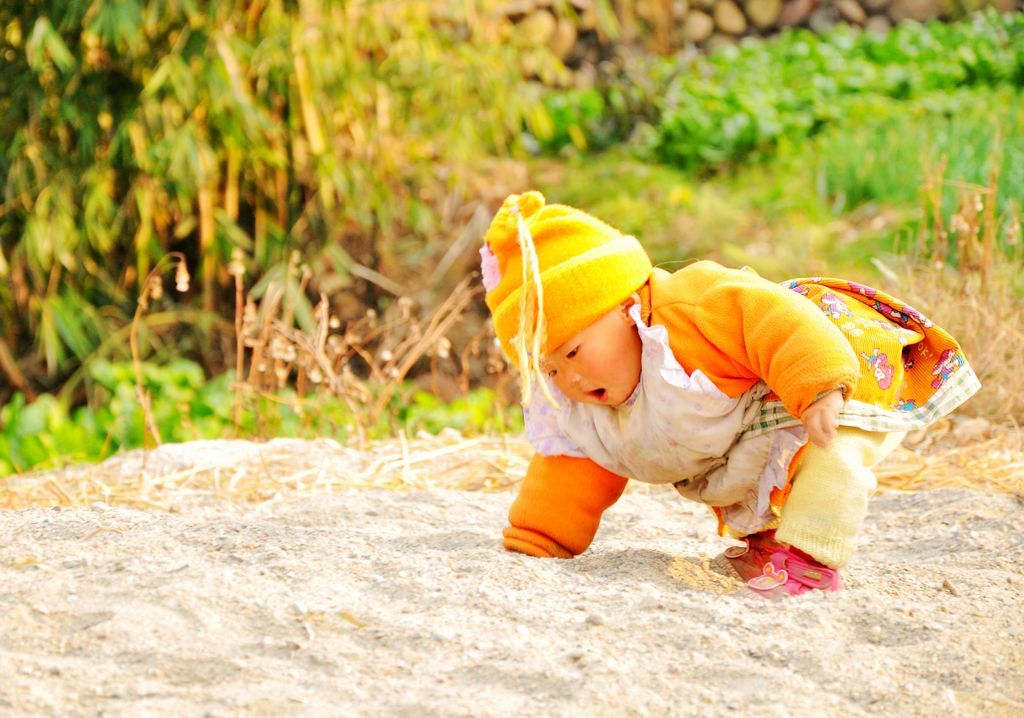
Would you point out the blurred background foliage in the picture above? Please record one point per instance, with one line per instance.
(372, 141)
(350, 132)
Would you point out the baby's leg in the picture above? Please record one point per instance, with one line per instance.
(830, 493)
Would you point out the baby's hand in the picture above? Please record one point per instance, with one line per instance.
(821, 419)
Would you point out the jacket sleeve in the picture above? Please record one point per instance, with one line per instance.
(559, 506)
(782, 337)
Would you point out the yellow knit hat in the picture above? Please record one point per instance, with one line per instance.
(576, 269)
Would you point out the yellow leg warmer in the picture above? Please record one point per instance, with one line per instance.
(830, 493)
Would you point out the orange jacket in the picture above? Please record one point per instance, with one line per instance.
(734, 326)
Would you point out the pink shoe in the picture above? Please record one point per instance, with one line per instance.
(776, 570)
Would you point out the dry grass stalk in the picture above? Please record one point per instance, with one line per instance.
(367, 363)
(972, 288)
(988, 320)
(237, 270)
(152, 288)
(242, 472)
(989, 459)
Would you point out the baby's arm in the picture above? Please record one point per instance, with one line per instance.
(559, 506)
(780, 336)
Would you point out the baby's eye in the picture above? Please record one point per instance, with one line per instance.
(552, 372)
(573, 353)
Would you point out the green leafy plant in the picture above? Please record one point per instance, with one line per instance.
(46, 433)
(578, 118)
(741, 101)
(703, 114)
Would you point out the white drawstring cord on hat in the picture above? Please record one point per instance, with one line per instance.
(532, 334)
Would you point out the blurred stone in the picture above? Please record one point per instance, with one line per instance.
(764, 13)
(875, 5)
(516, 8)
(585, 76)
(658, 14)
(680, 8)
(851, 11)
(919, 10)
(564, 39)
(795, 13)
(538, 28)
(648, 10)
(698, 26)
(823, 19)
(718, 41)
(878, 24)
(729, 18)
(530, 62)
(587, 19)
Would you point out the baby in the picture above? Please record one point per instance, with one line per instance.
(769, 403)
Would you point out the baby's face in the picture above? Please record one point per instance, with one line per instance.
(601, 364)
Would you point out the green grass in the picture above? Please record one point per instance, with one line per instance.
(877, 154)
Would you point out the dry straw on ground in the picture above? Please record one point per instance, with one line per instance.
(958, 453)
(964, 453)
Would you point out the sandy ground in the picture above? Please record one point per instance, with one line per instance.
(378, 603)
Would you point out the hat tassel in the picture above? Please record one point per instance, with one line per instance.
(532, 324)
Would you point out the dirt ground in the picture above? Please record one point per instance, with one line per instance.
(381, 603)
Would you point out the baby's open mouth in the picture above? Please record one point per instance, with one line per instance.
(598, 393)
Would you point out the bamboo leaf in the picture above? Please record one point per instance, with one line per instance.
(45, 43)
(76, 323)
(49, 338)
(118, 23)
(302, 80)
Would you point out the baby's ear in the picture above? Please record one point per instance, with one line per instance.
(628, 304)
